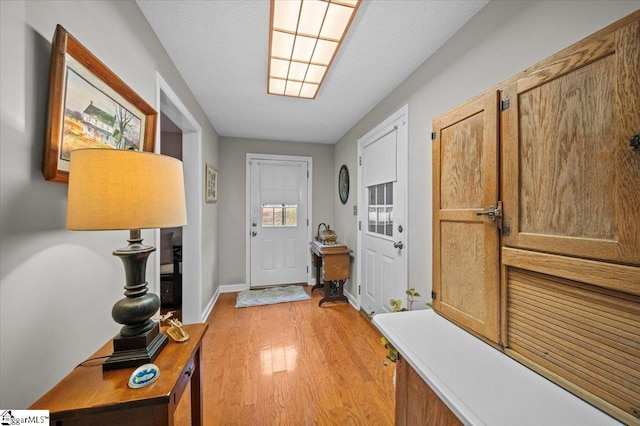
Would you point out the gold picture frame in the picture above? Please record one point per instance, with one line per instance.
(211, 184)
(90, 107)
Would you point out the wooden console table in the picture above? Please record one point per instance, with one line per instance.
(332, 269)
(89, 396)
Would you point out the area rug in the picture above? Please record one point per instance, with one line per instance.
(271, 296)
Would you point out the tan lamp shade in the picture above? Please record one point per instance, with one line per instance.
(122, 189)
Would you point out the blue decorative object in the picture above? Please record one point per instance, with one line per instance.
(144, 375)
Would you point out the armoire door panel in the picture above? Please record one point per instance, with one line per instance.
(461, 168)
(466, 246)
(570, 178)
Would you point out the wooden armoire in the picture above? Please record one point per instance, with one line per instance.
(537, 217)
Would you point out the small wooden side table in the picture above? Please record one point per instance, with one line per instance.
(333, 265)
(89, 396)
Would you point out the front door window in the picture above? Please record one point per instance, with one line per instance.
(279, 215)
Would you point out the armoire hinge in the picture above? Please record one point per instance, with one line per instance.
(433, 295)
(433, 135)
(504, 104)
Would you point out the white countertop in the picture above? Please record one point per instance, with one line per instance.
(480, 384)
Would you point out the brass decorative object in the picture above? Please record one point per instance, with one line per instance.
(328, 235)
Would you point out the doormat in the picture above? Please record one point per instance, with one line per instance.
(271, 296)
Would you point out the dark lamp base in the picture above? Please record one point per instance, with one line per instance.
(134, 351)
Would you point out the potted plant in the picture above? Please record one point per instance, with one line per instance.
(396, 306)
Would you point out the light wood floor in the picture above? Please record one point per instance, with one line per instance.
(293, 364)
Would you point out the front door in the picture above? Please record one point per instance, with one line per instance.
(383, 228)
(279, 246)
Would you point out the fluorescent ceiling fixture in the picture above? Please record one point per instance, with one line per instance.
(304, 37)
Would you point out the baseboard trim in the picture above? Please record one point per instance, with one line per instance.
(210, 305)
(232, 288)
(352, 300)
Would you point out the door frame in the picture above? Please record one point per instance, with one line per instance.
(403, 169)
(254, 157)
(169, 103)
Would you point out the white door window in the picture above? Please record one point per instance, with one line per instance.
(381, 209)
(279, 243)
(382, 249)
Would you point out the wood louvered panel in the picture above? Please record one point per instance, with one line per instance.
(583, 337)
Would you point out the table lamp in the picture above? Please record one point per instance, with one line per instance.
(112, 189)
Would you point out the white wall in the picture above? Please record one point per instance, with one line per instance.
(504, 38)
(211, 241)
(231, 195)
(57, 287)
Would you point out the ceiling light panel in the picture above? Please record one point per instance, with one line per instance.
(304, 38)
(285, 17)
(303, 48)
(312, 16)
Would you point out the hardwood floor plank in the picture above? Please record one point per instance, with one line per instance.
(281, 398)
(293, 364)
(253, 365)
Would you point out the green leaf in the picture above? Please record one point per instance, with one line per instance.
(396, 305)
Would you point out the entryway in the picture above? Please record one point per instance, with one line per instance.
(278, 217)
(169, 104)
(170, 247)
(382, 217)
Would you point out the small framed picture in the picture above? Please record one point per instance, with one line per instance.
(211, 184)
(90, 107)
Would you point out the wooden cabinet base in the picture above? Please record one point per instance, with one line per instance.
(416, 402)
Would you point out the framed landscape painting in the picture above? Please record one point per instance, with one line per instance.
(90, 107)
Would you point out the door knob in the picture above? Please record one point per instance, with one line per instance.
(398, 245)
(254, 233)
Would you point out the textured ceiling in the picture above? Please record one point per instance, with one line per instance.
(220, 48)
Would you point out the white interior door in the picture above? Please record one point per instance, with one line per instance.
(278, 222)
(383, 226)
